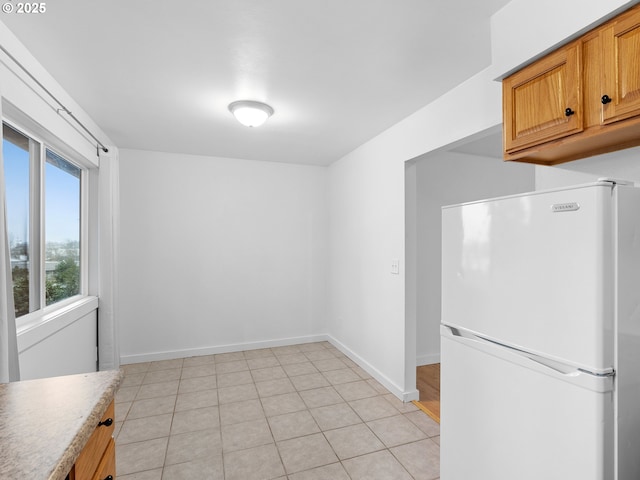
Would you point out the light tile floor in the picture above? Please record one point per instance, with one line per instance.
(301, 412)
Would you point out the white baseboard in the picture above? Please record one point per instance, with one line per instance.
(405, 396)
(428, 359)
(193, 352)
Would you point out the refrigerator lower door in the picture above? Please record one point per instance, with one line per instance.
(505, 417)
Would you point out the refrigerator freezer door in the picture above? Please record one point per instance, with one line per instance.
(534, 272)
(502, 421)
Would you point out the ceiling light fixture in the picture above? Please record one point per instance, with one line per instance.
(250, 113)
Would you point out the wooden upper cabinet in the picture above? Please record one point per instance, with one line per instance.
(596, 77)
(543, 101)
(621, 68)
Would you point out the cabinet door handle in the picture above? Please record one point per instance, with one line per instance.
(568, 112)
(107, 423)
(605, 99)
(108, 477)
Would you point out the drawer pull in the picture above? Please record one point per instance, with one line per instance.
(108, 477)
(107, 423)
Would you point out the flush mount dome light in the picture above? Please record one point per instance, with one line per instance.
(250, 113)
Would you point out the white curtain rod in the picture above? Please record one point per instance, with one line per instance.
(99, 145)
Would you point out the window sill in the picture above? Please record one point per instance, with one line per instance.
(40, 327)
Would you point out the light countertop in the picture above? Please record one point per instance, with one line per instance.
(44, 424)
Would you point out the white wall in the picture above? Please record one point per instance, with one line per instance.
(65, 352)
(219, 254)
(447, 178)
(368, 318)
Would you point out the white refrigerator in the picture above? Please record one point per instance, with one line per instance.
(540, 336)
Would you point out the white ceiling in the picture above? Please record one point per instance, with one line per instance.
(159, 74)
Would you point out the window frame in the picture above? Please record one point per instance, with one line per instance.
(46, 141)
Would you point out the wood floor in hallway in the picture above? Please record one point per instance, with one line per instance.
(428, 384)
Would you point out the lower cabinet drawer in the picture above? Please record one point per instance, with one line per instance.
(91, 456)
(107, 467)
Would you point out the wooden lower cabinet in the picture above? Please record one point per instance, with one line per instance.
(97, 461)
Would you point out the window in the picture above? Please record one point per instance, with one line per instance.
(44, 222)
(17, 151)
(62, 228)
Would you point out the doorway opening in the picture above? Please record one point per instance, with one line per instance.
(428, 384)
(468, 170)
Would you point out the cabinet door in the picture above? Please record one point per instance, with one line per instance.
(621, 68)
(90, 456)
(543, 101)
(107, 467)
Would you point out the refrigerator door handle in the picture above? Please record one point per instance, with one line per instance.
(601, 382)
